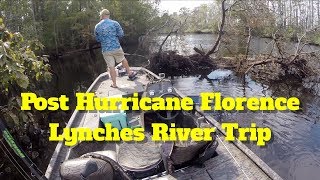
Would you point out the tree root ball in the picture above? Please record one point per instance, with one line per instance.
(173, 64)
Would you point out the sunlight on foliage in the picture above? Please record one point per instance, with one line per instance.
(20, 70)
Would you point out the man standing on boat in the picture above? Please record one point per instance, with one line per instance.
(108, 32)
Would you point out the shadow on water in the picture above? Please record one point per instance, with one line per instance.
(294, 152)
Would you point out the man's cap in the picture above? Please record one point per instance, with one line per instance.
(104, 12)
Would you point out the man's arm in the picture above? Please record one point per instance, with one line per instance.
(96, 34)
(120, 32)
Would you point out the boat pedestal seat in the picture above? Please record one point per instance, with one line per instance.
(186, 151)
(85, 147)
(135, 156)
(110, 154)
(86, 168)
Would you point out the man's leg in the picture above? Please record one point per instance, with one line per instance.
(119, 57)
(113, 75)
(110, 61)
(126, 65)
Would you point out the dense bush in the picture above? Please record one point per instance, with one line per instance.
(21, 70)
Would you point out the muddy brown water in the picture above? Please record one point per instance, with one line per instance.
(294, 152)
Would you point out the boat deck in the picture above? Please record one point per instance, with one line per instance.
(125, 86)
(234, 160)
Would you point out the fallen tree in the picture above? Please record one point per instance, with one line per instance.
(273, 66)
(173, 64)
(281, 64)
(201, 63)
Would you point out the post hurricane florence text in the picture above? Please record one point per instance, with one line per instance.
(161, 131)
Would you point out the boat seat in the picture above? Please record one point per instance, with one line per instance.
(111, 154)
(139, 155)
(86, 168)
(85, 147)
(186, 151)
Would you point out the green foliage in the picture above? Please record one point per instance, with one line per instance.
(68, 25)
(20, 70)
(317, 39)
(202, 19)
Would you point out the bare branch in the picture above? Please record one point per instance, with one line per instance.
(248, 42)
(264, 62)
(172, 31)
(151, 30)
(299, 49)
(223, 19)
(233, 4)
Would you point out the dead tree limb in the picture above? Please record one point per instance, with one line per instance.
(165, 39)
(172, 31)
(221, 29)
(224, 11)
(143, 38)
(278, 45)
(299, 49)
(199, 51)
(248, 42)
(265, 62)
(271, 52)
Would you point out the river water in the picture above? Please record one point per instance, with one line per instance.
(294, 152)
(184, 44)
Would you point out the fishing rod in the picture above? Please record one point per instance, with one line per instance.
(35, 171)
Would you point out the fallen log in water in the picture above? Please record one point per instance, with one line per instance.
(173, 64)
(268, 69)
(261, 68)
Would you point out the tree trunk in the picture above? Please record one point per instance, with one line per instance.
(221, 29)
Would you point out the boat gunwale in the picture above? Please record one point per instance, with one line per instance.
(53, 161)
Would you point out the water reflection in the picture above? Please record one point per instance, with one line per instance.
(294, 152)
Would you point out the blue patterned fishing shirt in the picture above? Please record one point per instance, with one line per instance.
(108, 32)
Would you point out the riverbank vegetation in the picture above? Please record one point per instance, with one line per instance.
(22, 70)
(264, 17)
(238, 23)
(68, 25)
